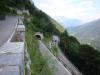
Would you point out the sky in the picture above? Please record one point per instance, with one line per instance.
(70, 12)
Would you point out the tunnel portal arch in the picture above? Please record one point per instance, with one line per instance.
(39, 35)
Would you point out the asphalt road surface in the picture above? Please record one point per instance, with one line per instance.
(7, 27)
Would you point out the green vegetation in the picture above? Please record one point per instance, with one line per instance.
(58, 26)
(69, 44)
(54, 50)
(84, 57)
(8, 7)
(43, 24)
(39, 64)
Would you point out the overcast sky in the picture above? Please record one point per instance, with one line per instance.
(70, 12)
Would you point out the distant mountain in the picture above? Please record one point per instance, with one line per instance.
(88, 33)
(67, 22)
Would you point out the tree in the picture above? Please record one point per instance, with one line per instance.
(90, 58)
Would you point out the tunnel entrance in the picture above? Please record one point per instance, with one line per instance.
(39, 35)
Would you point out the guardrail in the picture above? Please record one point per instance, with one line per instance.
(19, 33)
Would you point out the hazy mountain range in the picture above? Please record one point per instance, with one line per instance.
(67, 22)
(88, 33)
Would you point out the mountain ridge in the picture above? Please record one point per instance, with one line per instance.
(87, 33)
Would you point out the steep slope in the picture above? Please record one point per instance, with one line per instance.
(58, 26)
(88, 33)
(69, 45)
(40, 22)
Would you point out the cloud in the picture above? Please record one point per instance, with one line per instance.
(83, 10)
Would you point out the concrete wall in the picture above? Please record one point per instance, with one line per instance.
(12, 53)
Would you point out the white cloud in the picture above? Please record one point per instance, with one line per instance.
(83, 10)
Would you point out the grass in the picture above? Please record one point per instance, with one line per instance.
(39, 64)
(54, 49)
(47, 40)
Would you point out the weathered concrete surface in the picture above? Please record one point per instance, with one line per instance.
(9, 70)
(58, 67)
(61, 58)
(11, 59)
(11, 55)
(21, 28)
(68, 64)
(14, 47)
